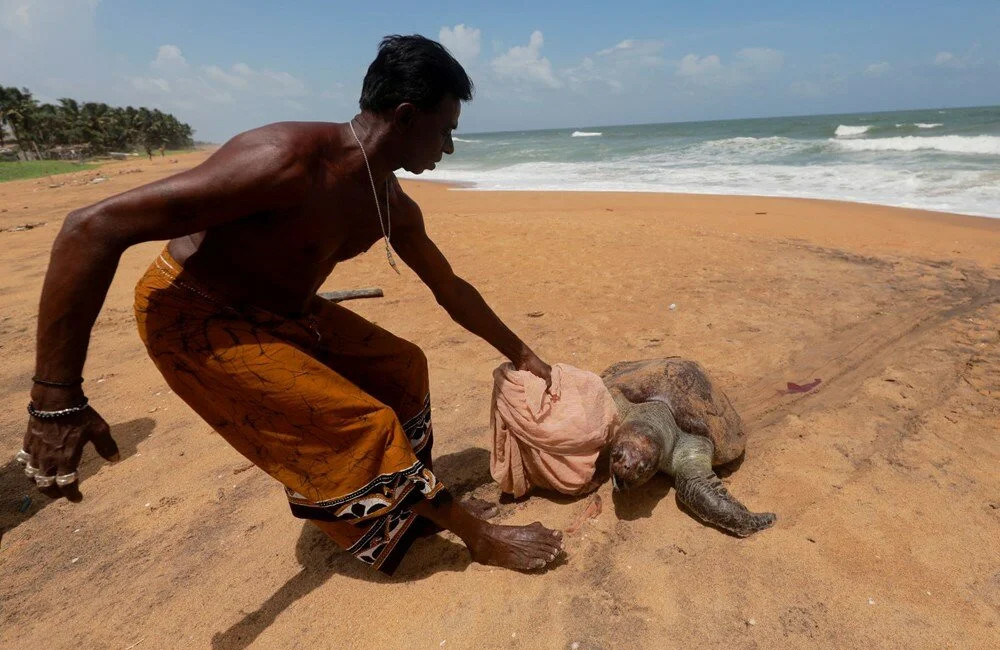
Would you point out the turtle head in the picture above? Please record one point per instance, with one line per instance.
(635, 455)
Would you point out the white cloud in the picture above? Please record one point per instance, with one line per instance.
(627, 44)
(197, 92)
(463, 42)
(959, 61)
(525, 63)
(216, 73)
(749, 65)
(635, 51)
(15, 16)
(50, 46)
(150, 84)
(581, 77)
(277, 83)
(877, 69)
(970, 59)
(617, 67)
(31, 19)
(213, 82)
(759, 60)
(169, 59)
(945, 58)
(693, 66)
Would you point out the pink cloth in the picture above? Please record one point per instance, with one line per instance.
(548, 440)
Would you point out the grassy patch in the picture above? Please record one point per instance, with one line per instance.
(15, 171)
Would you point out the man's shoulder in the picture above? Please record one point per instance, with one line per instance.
(302, 141)
(403, 203)
(285, 148)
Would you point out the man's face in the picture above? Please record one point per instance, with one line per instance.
(428, 136)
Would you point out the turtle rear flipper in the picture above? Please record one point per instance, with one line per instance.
(701, 490)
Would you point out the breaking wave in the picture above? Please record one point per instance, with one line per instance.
(845, 131)
(987, 145)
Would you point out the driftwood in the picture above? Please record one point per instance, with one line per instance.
(351, 294)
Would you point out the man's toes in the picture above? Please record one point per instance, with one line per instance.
(524, 563)
(550, 547)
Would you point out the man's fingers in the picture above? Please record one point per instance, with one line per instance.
(104, 443)
(67, 479)
(66, 472)
(45, 478)
(31, 443)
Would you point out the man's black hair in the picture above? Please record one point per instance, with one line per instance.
(412, 69)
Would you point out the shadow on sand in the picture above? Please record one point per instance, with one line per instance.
(321, 559)
(20, 500)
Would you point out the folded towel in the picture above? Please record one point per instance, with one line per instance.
(548, 439)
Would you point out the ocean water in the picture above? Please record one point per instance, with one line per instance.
(936, 159)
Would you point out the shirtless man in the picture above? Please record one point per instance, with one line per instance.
(334, 407)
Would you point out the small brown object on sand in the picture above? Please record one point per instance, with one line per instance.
(591, 511)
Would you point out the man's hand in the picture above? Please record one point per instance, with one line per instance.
(537, 367)
(53, 449)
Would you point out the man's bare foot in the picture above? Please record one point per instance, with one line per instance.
(523, 548)
(481, 508)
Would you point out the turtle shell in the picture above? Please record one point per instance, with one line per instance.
(699, 407)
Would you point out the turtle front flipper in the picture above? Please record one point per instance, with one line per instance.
(700, 489)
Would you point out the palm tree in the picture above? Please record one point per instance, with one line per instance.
(5, 100)
(102, 127)
(17, 108)
(71, 122)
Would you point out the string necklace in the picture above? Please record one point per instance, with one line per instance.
(387, 226)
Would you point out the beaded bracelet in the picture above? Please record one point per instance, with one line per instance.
(51, 415)
(57, 384)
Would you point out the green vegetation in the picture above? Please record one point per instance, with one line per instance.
(74, 129)
(15, 171)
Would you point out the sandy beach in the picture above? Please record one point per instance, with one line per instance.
(884, 477)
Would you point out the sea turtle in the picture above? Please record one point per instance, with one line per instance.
(673, 419)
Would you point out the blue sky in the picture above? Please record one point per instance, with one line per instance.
(224, 67)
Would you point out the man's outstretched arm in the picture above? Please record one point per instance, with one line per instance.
(459, 298)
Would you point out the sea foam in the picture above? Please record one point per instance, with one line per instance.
(971, 192)
(846, 131)
(988, 145)
(585, 134)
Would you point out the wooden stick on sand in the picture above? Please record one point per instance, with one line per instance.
(351, 294)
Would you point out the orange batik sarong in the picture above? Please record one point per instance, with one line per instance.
(334, 407)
